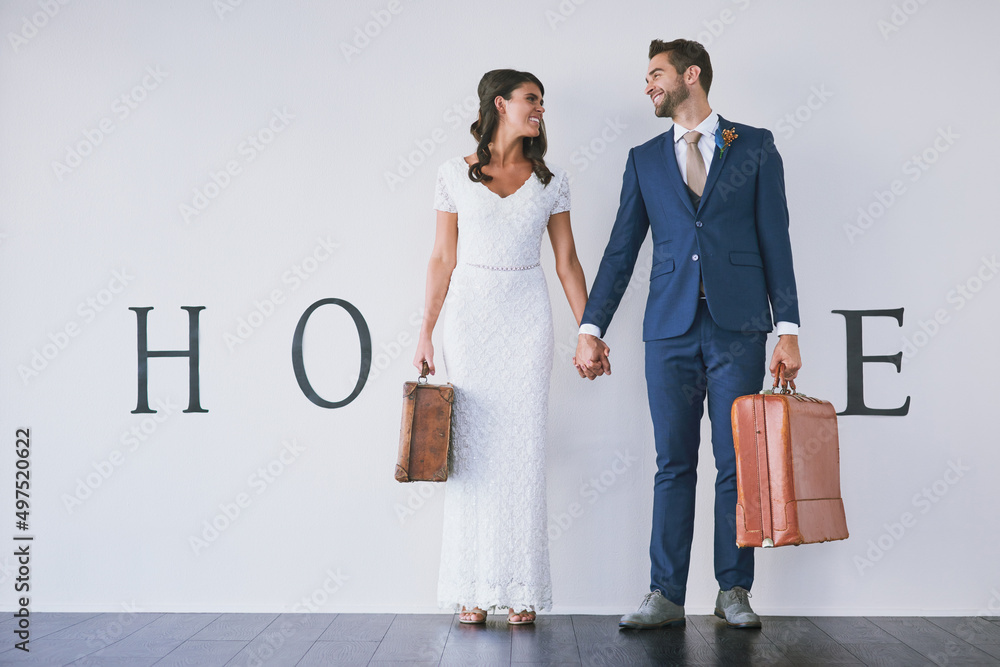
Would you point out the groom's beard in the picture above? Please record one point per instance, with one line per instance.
(671, 100)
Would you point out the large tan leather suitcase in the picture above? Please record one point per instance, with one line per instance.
(425, 433)
(787, 469)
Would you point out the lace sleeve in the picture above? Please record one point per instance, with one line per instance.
(561, 203)
(442, 197)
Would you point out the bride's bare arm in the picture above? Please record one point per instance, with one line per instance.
(568, 266)
(443, 259)
(575, 285)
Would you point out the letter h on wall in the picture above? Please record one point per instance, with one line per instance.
(145, 353)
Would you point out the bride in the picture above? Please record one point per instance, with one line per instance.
(492, 210)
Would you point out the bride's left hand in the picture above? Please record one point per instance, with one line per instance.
(425, 352)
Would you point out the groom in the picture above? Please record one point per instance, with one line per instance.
(713, 194)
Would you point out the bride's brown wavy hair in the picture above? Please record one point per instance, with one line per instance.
(504, 82)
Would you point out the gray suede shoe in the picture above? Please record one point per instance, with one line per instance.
(655, 611)
(734, 606)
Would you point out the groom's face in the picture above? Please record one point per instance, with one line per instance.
(664, 86)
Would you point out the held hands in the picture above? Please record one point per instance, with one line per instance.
(786, 352)
(591, 357)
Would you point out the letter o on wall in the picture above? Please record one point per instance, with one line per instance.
(366, 353)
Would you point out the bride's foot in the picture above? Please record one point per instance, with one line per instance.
(520, 617)
(474, 616)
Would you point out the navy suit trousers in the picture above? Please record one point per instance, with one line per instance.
(680, 371)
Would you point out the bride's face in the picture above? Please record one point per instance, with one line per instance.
(523, 111)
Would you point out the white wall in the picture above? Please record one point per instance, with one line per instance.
(331, 526)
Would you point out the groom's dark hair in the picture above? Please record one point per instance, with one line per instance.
(682, 54)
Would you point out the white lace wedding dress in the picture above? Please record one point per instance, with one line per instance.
(498, 341)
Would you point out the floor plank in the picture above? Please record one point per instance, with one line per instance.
(439, 640)
(299, 627)
(43, 624)
(345, 653)
(682, 653)
(882, 654)
(612, 655)
(912, 629)
(92, 661)
(178, 626)
(819, 653)
(935, 643)
(104, 629)
(157, 638)
(751, 653)
(793, 631)
(973, 630)
(604, 630)
(262, 651)
(358, 627)
(235, 627)
(414, 638)
(550, 641)
(853, 630)
(954, 653)
(992, 649)
(48, 652)
(139, 645)
(203, 653)
(486, 644)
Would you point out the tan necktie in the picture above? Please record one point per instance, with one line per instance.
(695, 164)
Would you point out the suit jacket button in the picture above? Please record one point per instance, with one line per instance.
(694, 257)
(698, 224)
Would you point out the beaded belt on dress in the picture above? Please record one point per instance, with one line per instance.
(504, 268)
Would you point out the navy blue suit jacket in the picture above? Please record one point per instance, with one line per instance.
(736, 242)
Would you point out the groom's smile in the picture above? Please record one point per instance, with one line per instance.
(664, 86)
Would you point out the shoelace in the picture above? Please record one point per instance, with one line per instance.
(646, 600)
(742, 595)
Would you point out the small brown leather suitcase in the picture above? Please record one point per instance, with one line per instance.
(425, 433)
(787, 469)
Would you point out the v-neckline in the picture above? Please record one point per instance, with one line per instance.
(521, 187)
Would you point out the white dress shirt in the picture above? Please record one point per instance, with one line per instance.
(706, 144)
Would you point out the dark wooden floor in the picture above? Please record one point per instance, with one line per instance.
(136, 639)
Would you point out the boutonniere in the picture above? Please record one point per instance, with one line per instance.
(724, 139)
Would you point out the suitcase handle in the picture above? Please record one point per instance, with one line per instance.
(780, 377)
(425, 370)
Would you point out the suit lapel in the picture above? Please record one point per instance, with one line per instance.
(717, 163)
(673, 171)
